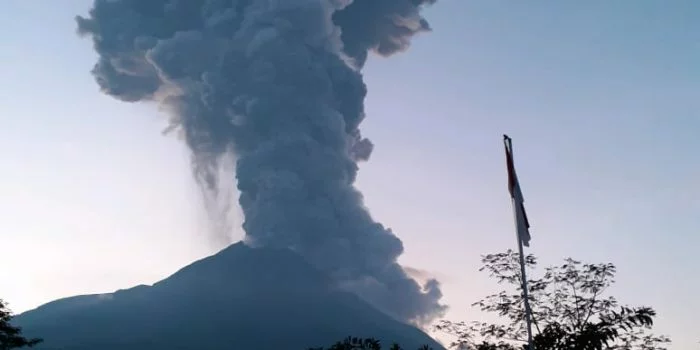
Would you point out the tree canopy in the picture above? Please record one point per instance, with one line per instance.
(11, 336)
(570, 310)
(354, 343)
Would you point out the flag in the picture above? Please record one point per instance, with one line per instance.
(521, 223)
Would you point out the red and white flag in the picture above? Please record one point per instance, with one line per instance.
(521, 223)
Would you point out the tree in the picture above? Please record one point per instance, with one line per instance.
(353, 343)
(11, 336)
(570, 310)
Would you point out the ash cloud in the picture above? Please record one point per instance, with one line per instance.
(277, 85)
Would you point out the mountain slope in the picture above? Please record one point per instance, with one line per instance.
(240, 298)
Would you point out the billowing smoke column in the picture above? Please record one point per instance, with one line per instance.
(277, 84)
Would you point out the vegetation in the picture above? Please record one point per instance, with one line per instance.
(11, 336)
(351, 343)
(570, 310)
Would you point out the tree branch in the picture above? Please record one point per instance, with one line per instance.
(576, 324)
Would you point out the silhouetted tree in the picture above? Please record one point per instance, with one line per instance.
(11, 336)
(352, 343)
(570, 311)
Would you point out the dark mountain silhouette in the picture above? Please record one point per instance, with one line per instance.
(240, 298)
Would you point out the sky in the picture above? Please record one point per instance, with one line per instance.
(601, 98)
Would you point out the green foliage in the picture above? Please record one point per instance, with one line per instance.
(11, 336)
(570, 310)
(352, 343)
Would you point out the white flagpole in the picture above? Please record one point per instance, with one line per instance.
(526, 299)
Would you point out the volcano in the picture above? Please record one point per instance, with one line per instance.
(239, 298)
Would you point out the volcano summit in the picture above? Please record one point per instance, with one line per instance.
(274, 87)
(241, 298)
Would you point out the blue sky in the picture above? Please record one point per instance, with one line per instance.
(602, 99)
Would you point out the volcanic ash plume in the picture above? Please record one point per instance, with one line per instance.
(277, 84)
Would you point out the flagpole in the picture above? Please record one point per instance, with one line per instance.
(526, 298)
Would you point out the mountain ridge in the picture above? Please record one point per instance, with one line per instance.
(239, 298)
